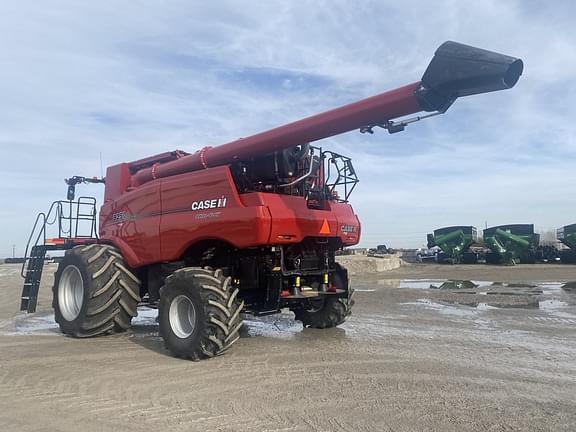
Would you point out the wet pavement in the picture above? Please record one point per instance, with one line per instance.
(425, 349)
(554, 301)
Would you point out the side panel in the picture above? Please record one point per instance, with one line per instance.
(205, 205)
(292, 220)
(117, 181)
(349, 227)
(132, 222)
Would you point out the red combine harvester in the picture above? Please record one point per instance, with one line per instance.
(251, 226)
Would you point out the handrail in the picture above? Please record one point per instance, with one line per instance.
(345, 174)
(56, 214)
(45, 217)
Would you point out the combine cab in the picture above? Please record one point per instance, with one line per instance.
(511, 244)
(454, 242)
(251, 226)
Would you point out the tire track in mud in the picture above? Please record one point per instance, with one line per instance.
(526, 353)
(388, 368)
(554, 320)
(326, 369)
(97, 395)
(92, 395)
(98, 399)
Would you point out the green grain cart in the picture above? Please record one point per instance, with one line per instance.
(454, 242)
(567, 235)
(511, 244)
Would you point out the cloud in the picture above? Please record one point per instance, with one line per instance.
(128, 79)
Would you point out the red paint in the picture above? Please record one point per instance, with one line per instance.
(158, 207)
(373, 110)
(117, 181)
(136, 231)
(155, 208)
(155, 222)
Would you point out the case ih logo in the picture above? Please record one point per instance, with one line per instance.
(209, 204)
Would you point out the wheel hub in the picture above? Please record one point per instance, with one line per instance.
(70, 293)
(182, 316)
(315, 305)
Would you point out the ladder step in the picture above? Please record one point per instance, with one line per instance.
(34, 266)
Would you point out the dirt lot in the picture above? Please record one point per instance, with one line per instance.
(460, 357)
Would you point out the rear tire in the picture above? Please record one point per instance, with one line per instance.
(331, 313)
(327, 311)
(94, 292)
(199, 313)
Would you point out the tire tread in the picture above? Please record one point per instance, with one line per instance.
(221, 308)
(112, 289)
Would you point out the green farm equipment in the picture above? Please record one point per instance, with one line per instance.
(454, 242)
(567, 235)
(511, 244)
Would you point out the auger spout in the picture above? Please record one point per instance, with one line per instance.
(456, 70)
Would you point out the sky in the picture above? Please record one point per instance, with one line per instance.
(122, 80)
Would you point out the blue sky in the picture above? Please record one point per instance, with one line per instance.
(134, 78)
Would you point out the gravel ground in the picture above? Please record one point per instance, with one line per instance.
(415, 355)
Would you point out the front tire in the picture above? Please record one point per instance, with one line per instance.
(94, 292)
(199, 313)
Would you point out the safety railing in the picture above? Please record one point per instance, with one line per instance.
(340, 175)
(70, 219)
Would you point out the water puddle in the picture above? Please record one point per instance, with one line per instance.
(468, 297)
(281, 326)
(40, 323)
(409, 283)
(457, 298)
(461, 284)
(44, 324)
(446, 309)
(146, 317)
(552, 305)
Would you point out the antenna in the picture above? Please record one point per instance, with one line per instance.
(101, 167)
